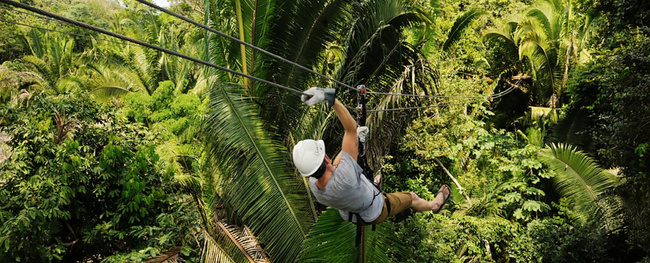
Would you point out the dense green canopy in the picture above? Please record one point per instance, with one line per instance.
(536, 112)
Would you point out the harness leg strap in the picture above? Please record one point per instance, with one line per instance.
(360, 225)
(357, 240)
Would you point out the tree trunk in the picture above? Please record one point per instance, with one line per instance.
(242, 37)
(460, 188)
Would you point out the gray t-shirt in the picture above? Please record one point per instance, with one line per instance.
(348, 190)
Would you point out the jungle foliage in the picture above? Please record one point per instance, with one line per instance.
(537, 117)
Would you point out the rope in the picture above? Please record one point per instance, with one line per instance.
(243, 43)
(141, 43)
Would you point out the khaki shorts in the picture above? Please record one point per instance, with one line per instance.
(398, 203)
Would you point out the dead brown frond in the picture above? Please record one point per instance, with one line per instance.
(170, 256)
(64, 127)
(18, 79)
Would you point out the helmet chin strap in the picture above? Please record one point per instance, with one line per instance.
(321, 170)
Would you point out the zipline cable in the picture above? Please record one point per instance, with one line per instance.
(423, 96)
(142, 43)
(179, 16)
(493, 96)
(496, 95)
(49, 15)
(423, 107)
(243, 43)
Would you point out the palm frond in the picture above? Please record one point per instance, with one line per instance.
(43, 69)
(461, 25)
(373, 35)
(504, 35)
(333, 240)
(108, 80)
(579, 178)
(257, 17)
(138, 62)
(212, 252)
(174, 68)
(302, 30)
(239, 245)
(544, 15)
(268, 197)
(34, 42)
(109, 92)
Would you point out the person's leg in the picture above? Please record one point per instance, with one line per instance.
(420, 205)
(401, 201)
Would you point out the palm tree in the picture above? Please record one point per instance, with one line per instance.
(53, 59)
(248, 140)
(258, 183)
(545, 40)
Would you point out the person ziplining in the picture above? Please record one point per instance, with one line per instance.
(341, 184)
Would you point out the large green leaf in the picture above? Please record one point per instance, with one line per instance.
(460, 25)
(333, 240)
(579, 178)
(259, 185)
(301, 32)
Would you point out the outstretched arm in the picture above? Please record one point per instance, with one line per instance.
(316, 95)
(349, 144)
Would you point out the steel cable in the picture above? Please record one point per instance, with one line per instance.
(142, 43)
(49, 15)
(152, 5)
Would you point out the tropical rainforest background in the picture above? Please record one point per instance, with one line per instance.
(536, 112)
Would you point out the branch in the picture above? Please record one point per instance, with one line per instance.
(460, 188)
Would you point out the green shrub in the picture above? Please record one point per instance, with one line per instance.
(83, 184)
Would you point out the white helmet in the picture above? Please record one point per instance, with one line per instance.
(308, 155)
